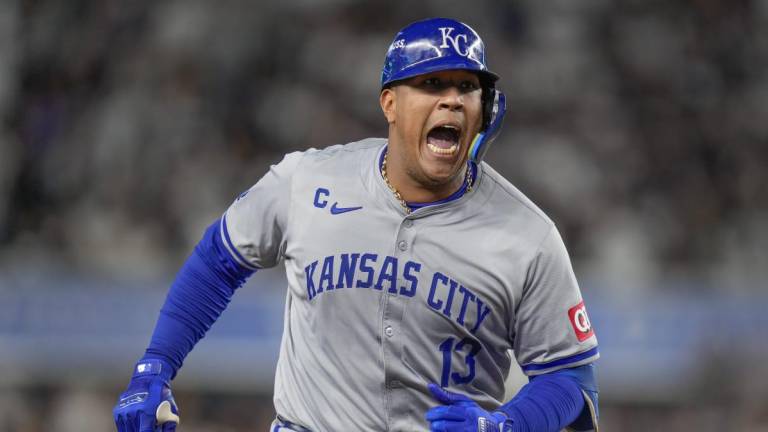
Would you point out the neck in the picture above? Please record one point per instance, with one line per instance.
(415, 190)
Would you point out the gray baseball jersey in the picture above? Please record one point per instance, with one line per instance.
(380, 303)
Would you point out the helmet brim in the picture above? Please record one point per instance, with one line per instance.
(439, 65)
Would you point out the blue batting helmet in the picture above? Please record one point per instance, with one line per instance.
(438, 44)
(435, 44)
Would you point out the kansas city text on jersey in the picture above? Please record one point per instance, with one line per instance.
(387, 273)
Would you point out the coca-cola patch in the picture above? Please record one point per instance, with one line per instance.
(580, 322)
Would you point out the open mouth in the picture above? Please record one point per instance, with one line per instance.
(444, 139)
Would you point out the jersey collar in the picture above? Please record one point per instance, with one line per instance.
(415, 206)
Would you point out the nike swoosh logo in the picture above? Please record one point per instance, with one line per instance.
(335, 209)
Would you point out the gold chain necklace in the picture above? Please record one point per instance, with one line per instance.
(403, 203)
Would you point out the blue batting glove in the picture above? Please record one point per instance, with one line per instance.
(461, 414)
(147, 404)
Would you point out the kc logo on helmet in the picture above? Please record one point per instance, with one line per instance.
(580, 322)
(454, 40)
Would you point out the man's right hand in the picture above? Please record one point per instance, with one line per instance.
(147, 404)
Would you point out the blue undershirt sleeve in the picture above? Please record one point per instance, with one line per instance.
(586, 377)
(553, 401)
(201, 291)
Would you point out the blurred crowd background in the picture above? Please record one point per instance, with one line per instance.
(639, 126)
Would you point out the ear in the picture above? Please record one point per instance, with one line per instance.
(387, 100)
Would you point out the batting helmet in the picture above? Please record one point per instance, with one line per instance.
(438, 44)
(435, 44)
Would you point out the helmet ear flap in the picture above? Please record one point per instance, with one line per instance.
(494, 108)
(487, 101)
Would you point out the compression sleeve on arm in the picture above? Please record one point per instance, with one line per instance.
(553, 401)
(201, 291)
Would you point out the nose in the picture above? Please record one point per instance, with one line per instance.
(451, 99)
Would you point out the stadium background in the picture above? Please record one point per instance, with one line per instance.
(640, 126)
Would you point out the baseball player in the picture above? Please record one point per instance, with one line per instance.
(413, 269)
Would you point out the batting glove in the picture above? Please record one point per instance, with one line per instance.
(461, 414)
(147, 404)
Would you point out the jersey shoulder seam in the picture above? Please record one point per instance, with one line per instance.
(504, 185)
(289, 216)
(352, 147)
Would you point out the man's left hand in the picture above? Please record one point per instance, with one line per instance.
(461, 414)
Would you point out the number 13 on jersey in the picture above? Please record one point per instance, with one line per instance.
(466, 347)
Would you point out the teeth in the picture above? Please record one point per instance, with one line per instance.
(444, 151)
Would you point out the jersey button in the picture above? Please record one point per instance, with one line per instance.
(402, 245)
(408, 223)
(389, 331)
